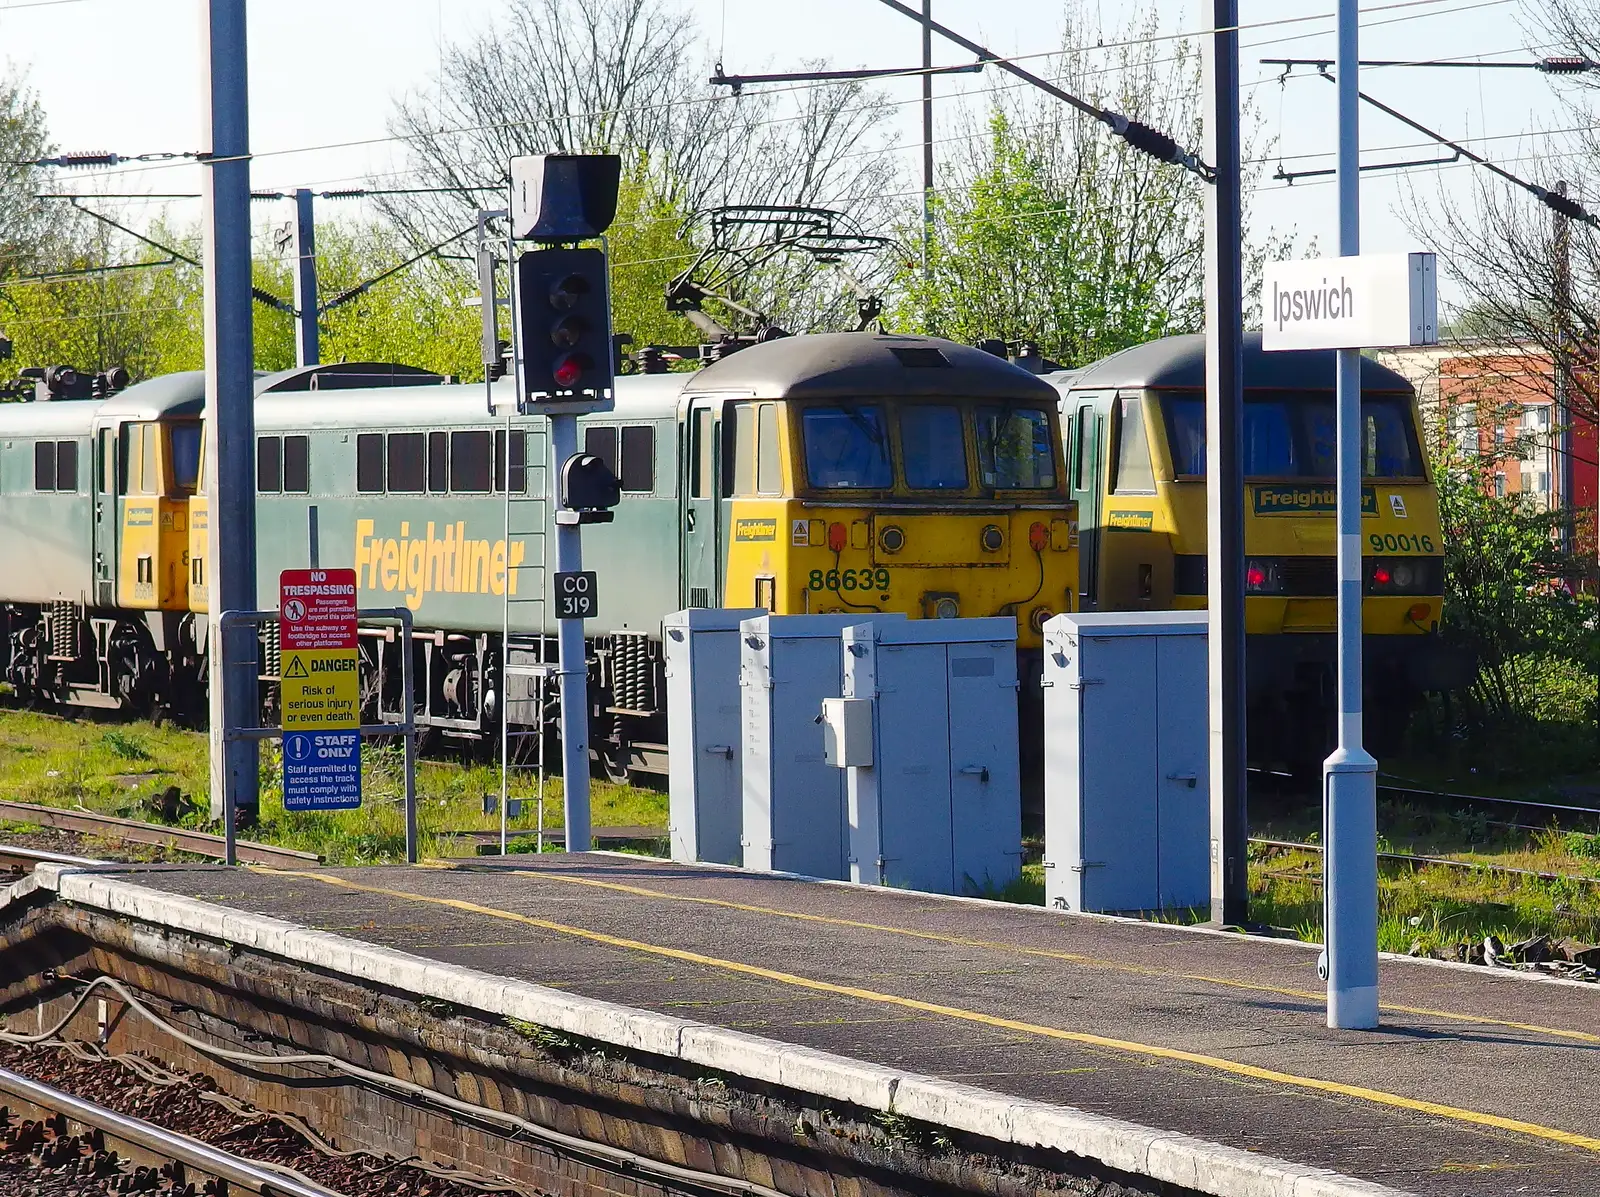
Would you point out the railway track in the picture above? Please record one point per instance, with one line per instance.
(134, 831)
(86, 1145)
(1479, 866)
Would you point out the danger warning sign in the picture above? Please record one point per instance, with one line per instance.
(320, 689)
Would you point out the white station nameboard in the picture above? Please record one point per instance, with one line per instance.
(1373, 301)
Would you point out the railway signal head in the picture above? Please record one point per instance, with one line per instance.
(564, 322)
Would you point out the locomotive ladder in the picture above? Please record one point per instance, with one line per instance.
(524, 620)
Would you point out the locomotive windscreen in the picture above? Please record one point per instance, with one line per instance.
(1289, 436)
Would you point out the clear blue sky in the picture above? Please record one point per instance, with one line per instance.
(123, 75)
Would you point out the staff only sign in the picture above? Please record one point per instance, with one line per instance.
(1373, 301)
(321, 689)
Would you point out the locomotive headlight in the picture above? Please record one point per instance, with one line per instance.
(1038, 617)
(946, 608)
(891, 538)
(992, 538)
(1405, 575)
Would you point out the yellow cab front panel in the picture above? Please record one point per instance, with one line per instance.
(932, 508)
(153, 565)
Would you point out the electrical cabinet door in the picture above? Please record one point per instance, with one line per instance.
(1183, 869)
(808, 819)
(913, 777)
(1119, 809)
(985, 773)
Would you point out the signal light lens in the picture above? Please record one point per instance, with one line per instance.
(569, 370)
(568, 331)
(566, 293)
(1262, 575)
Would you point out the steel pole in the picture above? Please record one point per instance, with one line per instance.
(1561, 377)
(1230, 888)
(307, 336)
(573, 666)
(927, 136)
(1350, 775)
(230, 400)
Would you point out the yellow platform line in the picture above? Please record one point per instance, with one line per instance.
(1216, 1063)
(1046, 953)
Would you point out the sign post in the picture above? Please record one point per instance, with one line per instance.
(320, 688)
(1348, 304)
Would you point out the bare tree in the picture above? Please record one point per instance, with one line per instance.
(629, 76)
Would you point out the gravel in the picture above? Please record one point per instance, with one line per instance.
(40, 1162)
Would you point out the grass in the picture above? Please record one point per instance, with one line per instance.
(133, 769)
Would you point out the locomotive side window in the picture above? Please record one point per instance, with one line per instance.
(739, 466)
(146, 437)
(438, 462)
(296, 464)
(934, 446)
(369, 463)
(67, 465)
(1132, 469)
(1082, 443)
(703, 461)
(517, 463)
(44, 465)
(108, 462)
(769, 468)
(406, 470)
(847, 447)
(469, 462)
(638, 458)
(602, 443)
(269, 464)
(1014, 449)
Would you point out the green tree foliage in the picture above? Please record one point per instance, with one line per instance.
(29, 227)
(1509, 595)
(1047, 228)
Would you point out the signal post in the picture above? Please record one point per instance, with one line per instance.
(564, 367)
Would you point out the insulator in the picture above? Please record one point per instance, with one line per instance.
(1565, 64)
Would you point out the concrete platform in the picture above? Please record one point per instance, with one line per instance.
(1478, 1082)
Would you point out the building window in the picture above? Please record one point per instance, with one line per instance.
(638, 458)
(1464, 425)
(1499, 484)
(406, 469)
(369, 463)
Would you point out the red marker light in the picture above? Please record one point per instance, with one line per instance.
(1038, 537)
(1381, 575)
(838, 536)
(1255, 577)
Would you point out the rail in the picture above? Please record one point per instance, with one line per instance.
(1481, 866)
(15, 854)
(192, 1153)
(135, 831)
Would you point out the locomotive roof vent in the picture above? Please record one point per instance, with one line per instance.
(920, 357)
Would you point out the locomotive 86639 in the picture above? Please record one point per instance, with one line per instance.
(836, 472)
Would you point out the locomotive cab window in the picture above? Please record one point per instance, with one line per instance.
(438, 462)
(184, 441)
(703, 457)
(1288, 435)
(1015, 449)
(1132, 470)
(933, 447)
(847, 447)
(601, 442)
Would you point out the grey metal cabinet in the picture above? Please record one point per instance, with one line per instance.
(939, 808)
(1127, 807)
(705, 799)
(793, 800)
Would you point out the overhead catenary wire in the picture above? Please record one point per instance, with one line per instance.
(996, 60)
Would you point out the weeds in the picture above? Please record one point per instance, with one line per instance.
(121, 744)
